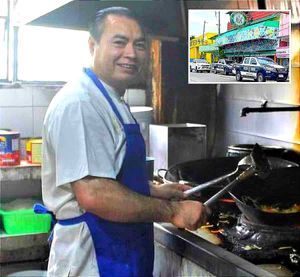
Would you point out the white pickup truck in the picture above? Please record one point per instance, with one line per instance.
(199, 65)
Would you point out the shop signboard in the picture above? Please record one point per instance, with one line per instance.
(238, 19)
(263, 30)
(282, 52)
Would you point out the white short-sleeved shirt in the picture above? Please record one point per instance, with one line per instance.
(81, 136)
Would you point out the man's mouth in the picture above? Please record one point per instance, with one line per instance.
(131, 67)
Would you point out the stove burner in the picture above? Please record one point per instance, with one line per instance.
(257, 242)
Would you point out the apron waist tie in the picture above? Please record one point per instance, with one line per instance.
(74, 220)
(41, 209)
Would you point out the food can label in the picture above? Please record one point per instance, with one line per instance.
(3, 144)
(15, 144)
(9, 148)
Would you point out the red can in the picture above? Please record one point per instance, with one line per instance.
(9, 148)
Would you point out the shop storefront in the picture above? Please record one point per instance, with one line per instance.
(282, 55)
(211, 51)
(201, 41)
(282, 51)
(259, 39)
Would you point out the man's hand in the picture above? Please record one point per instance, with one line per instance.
(189, 214)
(169, 191)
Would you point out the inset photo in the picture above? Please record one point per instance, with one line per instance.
(235, 46)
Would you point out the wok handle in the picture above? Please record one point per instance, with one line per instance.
(250, 171)
(207, 184)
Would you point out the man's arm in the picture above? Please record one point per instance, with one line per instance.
(168, 191)
(113, 201)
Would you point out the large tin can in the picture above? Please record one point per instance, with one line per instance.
(9, 148)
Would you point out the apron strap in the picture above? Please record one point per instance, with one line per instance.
(100, 86)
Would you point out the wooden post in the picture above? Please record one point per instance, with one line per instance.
(156, 81)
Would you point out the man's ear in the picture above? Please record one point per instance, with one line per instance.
(92, 44)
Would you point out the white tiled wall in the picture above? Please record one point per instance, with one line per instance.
(23, 109)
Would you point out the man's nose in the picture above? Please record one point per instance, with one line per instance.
(130, 51)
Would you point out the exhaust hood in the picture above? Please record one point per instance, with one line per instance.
(160, 17)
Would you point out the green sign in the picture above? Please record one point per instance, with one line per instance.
(238, 19)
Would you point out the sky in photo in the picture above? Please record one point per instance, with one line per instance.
(197, 18)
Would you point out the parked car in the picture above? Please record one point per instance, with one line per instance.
(199, 65)
(261, 69)
(223, 66)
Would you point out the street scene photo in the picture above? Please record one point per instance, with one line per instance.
(234, 46)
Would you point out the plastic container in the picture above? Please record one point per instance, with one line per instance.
(143, 116)
(25, 221)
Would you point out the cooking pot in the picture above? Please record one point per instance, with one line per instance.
(241, 150)
(281, 188)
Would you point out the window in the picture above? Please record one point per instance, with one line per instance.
(3, 39)
(50, 54)
(246, 61)
(253, 61)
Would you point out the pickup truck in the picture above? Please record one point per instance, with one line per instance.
(261, 69)
(223, 66)
(199, 65)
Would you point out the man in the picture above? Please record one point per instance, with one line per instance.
(93, 177)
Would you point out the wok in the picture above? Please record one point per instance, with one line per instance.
(281, 188)
(201, 171)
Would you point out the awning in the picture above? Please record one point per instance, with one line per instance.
(262, 30)
(209, 48)
(244, 54)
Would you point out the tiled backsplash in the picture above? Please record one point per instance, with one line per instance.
(23, 109)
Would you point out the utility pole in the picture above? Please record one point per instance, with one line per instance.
(219, 24)
(202, 54)
(203, 32)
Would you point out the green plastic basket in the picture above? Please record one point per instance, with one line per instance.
(25, 222)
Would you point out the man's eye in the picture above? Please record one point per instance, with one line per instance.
(119, 42)
(140, 45)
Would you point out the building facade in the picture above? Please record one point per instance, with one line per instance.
(282, 51)
(258, 36)
(197, 42)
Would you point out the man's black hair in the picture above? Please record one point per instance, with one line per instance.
(96, 26)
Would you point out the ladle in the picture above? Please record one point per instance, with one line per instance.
(254, 164)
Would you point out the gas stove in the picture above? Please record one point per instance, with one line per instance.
(257, 243)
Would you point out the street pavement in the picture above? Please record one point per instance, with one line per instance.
(220, 78)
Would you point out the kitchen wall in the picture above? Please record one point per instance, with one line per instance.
(265, 128)
(22, 108)
(280, 129)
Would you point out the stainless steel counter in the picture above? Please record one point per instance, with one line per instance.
(208, 257)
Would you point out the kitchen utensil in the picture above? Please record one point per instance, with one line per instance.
(256, 160)
(257, 164)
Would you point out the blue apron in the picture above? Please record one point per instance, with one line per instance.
(123, 249)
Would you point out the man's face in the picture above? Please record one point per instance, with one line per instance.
(121, 52)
